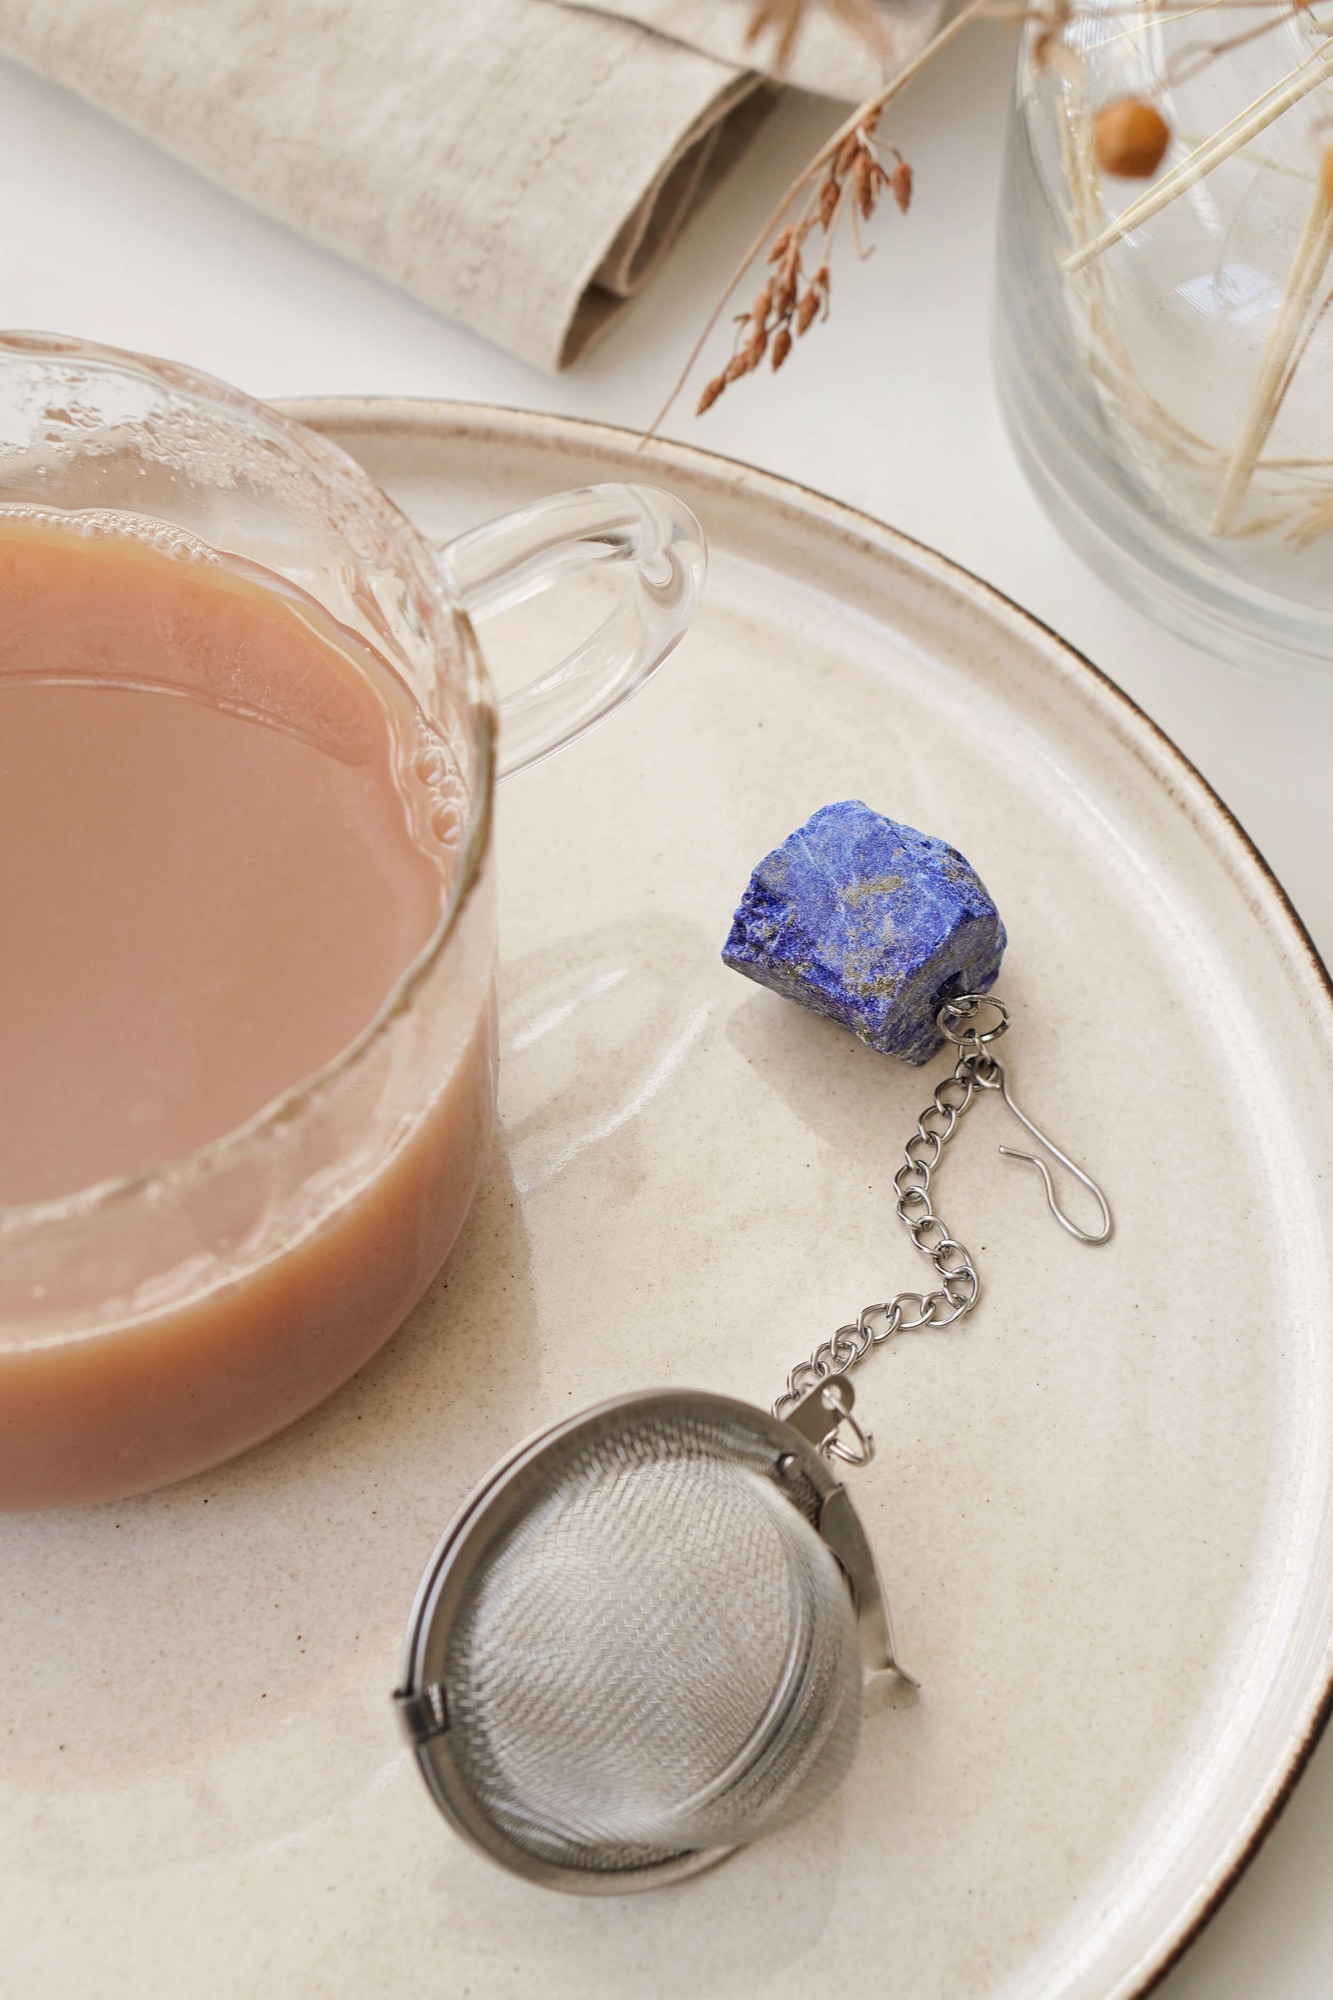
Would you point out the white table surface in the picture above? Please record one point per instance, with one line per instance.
(890, 407)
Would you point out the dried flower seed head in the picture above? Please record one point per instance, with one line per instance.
(850, 175)
(789, 303)
(863, 181)
(1130, 139)
(711, 393)
(753, 351)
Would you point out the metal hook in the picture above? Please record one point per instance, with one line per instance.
(998, 1079)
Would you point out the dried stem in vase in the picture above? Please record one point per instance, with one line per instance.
(1278, 364)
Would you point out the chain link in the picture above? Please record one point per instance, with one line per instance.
(959, 1287)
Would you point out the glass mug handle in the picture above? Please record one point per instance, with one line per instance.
(505, 562)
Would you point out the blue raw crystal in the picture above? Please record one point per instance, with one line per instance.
(871, 923)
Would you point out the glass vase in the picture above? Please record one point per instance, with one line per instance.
(1164, 339)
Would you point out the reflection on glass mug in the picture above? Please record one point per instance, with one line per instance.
(248, 750)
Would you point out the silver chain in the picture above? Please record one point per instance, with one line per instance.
(959, 1287)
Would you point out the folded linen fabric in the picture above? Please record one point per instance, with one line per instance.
(828, 56)
(521, 165)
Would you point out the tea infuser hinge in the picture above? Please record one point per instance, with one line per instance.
(818, 1417)
(422, 1715)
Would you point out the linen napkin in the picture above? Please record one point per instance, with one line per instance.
(828, 57)
(521, 165)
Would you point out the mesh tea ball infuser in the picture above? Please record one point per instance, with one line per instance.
(645, 1639)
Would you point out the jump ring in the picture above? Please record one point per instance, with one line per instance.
(966, 1007)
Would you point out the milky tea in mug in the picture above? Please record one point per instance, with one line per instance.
(220, 850)
(218, 847)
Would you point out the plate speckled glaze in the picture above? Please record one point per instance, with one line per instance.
(1103, 1505)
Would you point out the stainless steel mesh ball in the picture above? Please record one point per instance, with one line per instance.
(634, 1649)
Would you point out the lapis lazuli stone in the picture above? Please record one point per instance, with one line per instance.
(871, 923)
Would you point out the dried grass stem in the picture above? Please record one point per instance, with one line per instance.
(1276, 368)
(858, 119)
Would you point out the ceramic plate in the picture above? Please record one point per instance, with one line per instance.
(1103, 1505)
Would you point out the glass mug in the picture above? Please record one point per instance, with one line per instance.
(154, 1325)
